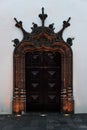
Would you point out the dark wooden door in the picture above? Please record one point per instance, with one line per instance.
(43, 81)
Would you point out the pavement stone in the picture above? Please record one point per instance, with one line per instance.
(41, 121)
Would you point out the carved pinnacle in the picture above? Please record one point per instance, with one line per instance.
(43, 17)
(66, 23)
(18, 24)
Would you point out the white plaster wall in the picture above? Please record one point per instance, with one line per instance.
(57, 10)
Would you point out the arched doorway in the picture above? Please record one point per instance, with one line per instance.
(42, 70)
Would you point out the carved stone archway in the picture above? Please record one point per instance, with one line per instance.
(42, 39)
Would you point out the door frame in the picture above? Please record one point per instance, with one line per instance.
(42, 38)
(19, 92)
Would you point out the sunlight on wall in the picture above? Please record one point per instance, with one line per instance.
(57, 10)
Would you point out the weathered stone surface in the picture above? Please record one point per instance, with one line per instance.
(50, 121)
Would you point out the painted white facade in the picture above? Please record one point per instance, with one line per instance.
(57, 10)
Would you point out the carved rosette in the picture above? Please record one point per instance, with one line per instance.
(42, 39)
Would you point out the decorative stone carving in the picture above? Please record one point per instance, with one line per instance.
(42, 38)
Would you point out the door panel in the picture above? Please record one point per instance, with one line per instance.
(43, 81)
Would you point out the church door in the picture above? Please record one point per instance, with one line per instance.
(43, 81)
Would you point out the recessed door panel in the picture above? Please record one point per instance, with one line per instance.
(43, 81)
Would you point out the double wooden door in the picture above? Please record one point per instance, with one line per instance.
(43, 81)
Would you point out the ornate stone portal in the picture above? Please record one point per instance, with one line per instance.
(42, 39)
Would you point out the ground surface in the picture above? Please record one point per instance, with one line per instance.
(39, 121)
